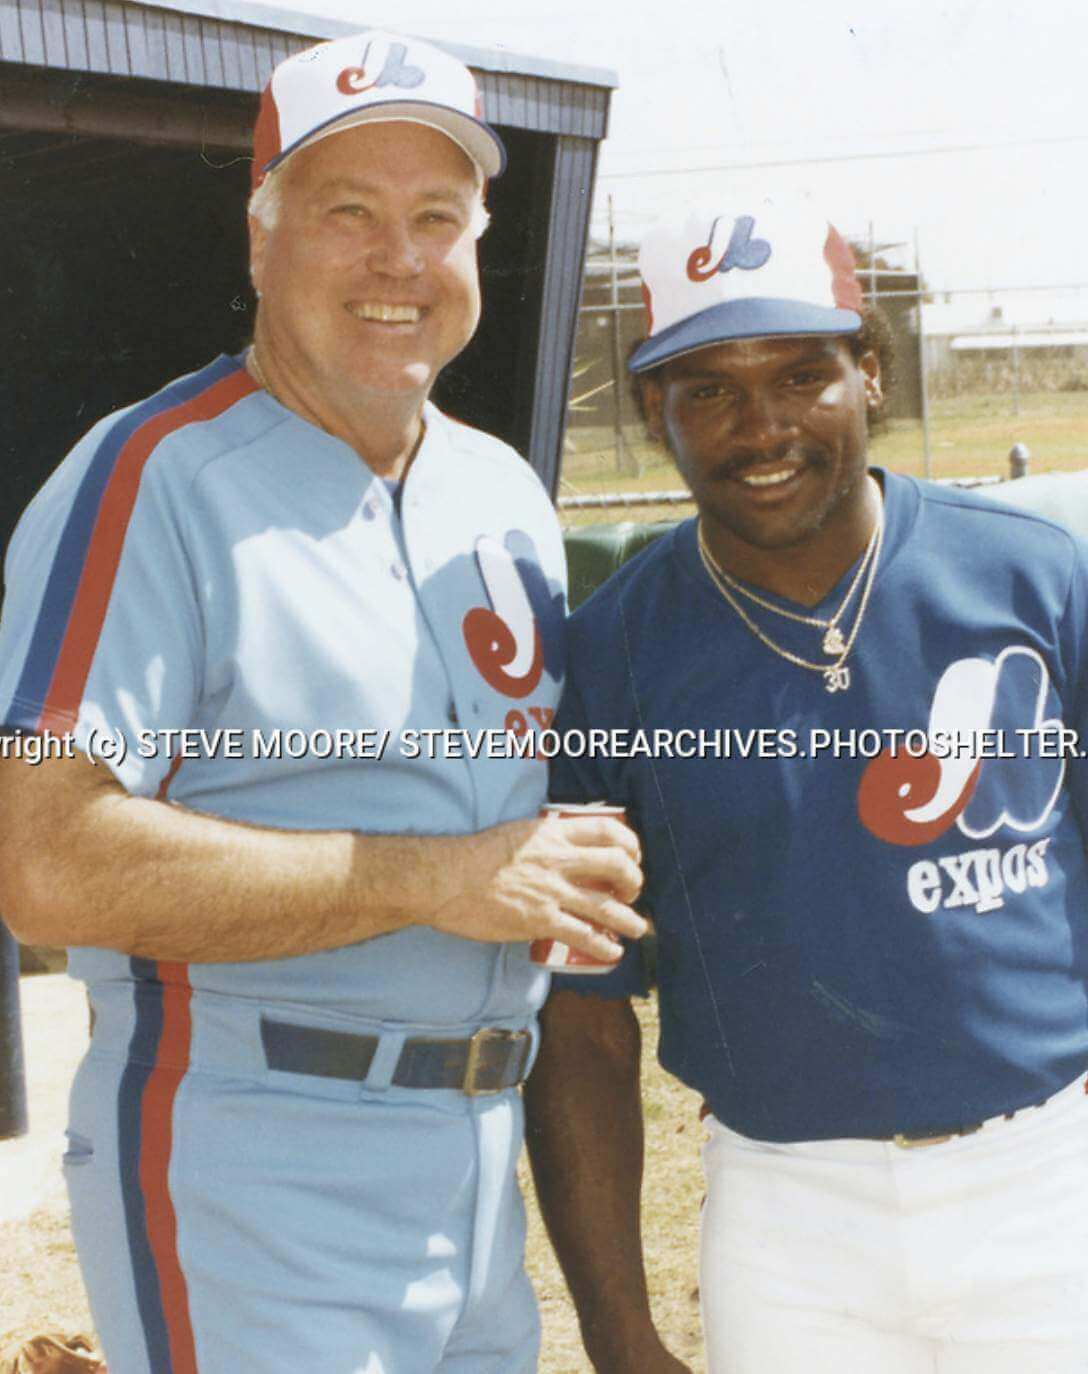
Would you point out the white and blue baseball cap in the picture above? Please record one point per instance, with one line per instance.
(368, 78)
(745, 272)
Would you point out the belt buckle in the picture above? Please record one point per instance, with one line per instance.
(484, 1036)
(911, 1142)
(915, 1142)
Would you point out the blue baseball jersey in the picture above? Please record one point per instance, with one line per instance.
(871, 903)
(231, 597)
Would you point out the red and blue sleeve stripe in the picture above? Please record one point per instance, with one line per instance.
(80, 582)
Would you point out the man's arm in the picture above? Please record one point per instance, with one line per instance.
(85, 863)
(584, 1132)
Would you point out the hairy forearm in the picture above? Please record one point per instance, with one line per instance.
(87, 864)
(585, 1138)
(153, 879)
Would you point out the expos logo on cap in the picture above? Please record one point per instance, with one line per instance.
(776, 268)
(365, 78)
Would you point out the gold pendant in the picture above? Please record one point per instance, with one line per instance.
(833, 644)
(837, 678)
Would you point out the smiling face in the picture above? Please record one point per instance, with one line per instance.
(368, 281)
(770, 435)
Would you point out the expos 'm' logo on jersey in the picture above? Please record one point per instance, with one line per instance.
(911, 800)
(518, 637)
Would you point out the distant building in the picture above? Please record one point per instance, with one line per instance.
(1032, 342)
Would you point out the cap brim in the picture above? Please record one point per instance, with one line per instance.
(742, 319)
(477, 140)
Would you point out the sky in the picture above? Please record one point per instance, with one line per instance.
(963, 125)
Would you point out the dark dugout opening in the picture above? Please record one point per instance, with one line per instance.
(123, 264)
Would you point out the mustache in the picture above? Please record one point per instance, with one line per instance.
(793, 453)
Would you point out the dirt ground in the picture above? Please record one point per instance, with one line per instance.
(39, 1276)
(40, 1283)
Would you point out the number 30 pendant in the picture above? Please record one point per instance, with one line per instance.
(837, 678)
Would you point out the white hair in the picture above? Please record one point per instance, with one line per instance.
(264, 203)
(266, 200)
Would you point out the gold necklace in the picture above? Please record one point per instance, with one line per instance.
(832, 643)
(836, 676)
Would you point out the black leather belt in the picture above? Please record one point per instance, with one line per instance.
(906, 1141)
(910, 1141)
(487, 1062)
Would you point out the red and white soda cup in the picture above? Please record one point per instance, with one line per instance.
(554, 954)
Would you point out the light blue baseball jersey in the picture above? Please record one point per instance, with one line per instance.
(208, 561)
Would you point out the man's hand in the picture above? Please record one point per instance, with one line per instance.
(548, 879)
(663, 1363)
(631, 1353)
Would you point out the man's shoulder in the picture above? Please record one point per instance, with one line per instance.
(1051, 506)
(487, 450)
(1011, 538)
(177, 429)
(633, 583)
(119, 451)
(635, 622)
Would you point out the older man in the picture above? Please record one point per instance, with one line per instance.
(303, 923)
(864, 838)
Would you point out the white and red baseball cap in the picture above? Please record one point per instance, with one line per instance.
(370, 77)
(753, 271)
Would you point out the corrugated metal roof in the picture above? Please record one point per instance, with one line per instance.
(186, 45)
(321, 26)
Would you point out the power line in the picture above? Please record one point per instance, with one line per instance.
(719, 146)
(847, 157)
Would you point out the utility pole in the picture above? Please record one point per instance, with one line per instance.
(626, 462)
(923, 384)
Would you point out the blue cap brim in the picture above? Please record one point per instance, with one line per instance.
(742, 319)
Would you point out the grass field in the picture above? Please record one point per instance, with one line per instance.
(970, 436)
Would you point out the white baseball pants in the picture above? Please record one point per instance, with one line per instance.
(968, 1257)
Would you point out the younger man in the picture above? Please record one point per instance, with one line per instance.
(872, 957)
